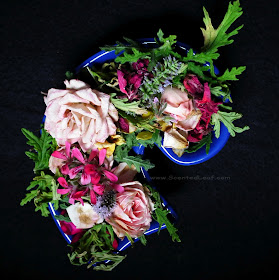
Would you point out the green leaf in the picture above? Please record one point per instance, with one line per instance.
(227, 119)
(230, 75)
(43, 146)
(62, 218)
(126, 106)
(131, 57)
(206, 141)
(143, 240)
(45, 192)
(215, 38)
(161, 217)
(136, 161)
(165, 44)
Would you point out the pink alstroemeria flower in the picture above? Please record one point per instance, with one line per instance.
(72, 190)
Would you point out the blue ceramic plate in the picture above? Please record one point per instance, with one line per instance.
(187, 158)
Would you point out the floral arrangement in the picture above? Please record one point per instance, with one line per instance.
(84, 160)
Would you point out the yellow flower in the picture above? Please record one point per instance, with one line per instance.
(110, 147)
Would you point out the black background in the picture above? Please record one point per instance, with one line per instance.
(228, 227)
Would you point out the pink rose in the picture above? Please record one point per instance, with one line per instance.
(132, 213)
(79, 114)
(181, 108)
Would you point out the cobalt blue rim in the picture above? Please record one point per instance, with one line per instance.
(187, 158)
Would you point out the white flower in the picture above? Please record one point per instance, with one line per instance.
(83, 216)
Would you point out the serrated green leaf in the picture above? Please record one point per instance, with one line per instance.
(230, 75)
(227, 119)
(131, 57)
(215, 38)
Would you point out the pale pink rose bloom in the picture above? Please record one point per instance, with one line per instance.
(79, 114)
(181, 108)
(132, 213)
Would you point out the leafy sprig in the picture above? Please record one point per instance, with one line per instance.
(160, 214)
(43, 146)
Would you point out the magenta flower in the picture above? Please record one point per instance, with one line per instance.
(88, 175)
(130, 82)
(71, 190)
(208, 107)
(193, 85)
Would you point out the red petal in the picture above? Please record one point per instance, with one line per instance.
(63, 191)
(78, 155)
(95, 178)
(112, 177)
(118, 188)
(74, 171)
(62, 182)
(57, 154)
(65, 169)
(102, 155)
(99, 189)
(93, 154)
(93, 198)
(121, 80)
(90, 169)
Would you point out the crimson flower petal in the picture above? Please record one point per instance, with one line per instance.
(93, 154)
(57, 154)
(62, 182)
(118, 188)
(99, 189)
(93, 198)
(112, 177)
(65, 169)
(122, 81)
(102, 155)
(95, 178)
(63, 191)
(90, 169)
(78, 155)
(74, 171)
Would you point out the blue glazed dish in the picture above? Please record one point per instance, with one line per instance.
(187, 158)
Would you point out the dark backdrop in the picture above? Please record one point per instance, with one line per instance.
(229, 223)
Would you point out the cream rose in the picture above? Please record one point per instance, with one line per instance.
(79, 114)
(83, 216)
(181, 108)
(132, 213)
